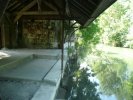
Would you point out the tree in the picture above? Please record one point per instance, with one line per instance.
(88, 37)
(114, 24)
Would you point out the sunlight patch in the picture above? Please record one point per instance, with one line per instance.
(83, 65)
(4, 55)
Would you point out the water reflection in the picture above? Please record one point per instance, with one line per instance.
(116, 83)
(106, 78)
(79, 86)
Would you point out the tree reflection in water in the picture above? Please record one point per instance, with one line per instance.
(114, 77)
(79, 85)
(112, 73)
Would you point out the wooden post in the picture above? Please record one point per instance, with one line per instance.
(0, 38)
(62, 32)
(3, 36)
(62, 47)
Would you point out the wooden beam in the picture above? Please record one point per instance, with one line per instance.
(25, 9)
(39, 5)
(50, 5)
(15, 6)
(80, 10)
(4, 10)
(62, 48)
(56, 6)
(40, 13)
(12, 4)
(8, 18)
(3, 35)
(49, 17)
(82, 7)
(73, 24)
(91, 1)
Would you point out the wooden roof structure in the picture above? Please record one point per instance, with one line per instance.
(83, 11)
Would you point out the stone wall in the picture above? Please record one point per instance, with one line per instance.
(39, 34)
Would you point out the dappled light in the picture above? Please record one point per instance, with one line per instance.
(4, 55)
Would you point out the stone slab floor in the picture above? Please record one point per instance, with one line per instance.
(29, 74)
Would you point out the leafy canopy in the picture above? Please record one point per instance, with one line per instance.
(87, 38)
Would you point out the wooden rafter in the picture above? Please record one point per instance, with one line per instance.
(49, 17)
(12, 4)
(73, 24)
(50, 5)
(81, 6)
(4, 10)
(80, 10)
(90, 1)
(40, 13)
(8, 18)
(39, 5)
(15, 6)
(19, 14)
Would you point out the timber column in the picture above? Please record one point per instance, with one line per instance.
(62, 48)
(5, 34)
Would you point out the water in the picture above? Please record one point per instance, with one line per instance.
(100, 78)
(101, 94)
(113, 76)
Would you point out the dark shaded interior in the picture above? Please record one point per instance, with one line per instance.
(38, 23)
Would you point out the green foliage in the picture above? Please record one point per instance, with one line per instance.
(114, 24)
(129, 44)
(117, 39)
(87, 38)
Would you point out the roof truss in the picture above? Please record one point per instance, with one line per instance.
(83, 12)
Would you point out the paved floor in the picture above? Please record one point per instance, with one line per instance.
(29, 74)
(17, 89)
(35, 69)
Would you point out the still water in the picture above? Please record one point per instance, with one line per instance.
(115, 80)
(101, 78)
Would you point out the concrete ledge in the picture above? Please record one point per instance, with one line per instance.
(46, 56)
(50, 85)
(55, 73)
(47, 91)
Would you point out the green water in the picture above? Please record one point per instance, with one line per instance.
(107, 75)
(114, 70)
(115, 79)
